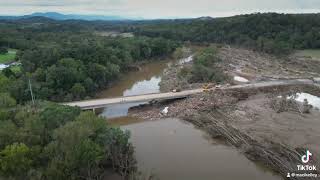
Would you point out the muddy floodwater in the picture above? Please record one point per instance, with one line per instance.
(174, 150)
(171, 149)
(134, 83)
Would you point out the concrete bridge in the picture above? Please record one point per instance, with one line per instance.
(100, 103)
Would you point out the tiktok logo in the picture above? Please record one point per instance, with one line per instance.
(306, 158)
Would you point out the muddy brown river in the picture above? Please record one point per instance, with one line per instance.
(173, 149)
(134, 83)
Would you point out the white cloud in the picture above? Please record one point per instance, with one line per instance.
(159, 8)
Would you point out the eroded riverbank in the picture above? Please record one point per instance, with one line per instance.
(170, 148)
(276, 135)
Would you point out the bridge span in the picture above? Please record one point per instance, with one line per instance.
(100, 103)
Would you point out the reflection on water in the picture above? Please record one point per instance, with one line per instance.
(144, 81)
(149, 76)
(118, 110)
(144, 87)
(174, 150)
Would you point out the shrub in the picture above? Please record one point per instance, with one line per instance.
(3, 50)
(205, 68)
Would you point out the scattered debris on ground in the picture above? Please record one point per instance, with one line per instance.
(267, 124)
(251, 121)
(249, 65)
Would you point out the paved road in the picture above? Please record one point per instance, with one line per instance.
(98, 103)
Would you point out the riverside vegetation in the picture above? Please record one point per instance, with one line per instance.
(68, 60)
(205, 68)
(49, 141)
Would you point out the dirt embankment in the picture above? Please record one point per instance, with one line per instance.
(247, 119)
(260, 66)
(253, 66)
(262, 133)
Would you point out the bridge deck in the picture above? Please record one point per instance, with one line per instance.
(99, 103)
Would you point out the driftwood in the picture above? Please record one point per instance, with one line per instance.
(279, 157)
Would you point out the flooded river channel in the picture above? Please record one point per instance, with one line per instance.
(134, 83)
(172, 149)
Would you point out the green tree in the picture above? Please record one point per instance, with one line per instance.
(15, 160)
(6, 100)
(8, 72)
(89, 85)
(8, 131)
(3, 50)
(97, 73)
(59, 142)
(206, 67)
(81, 145)
(4, 83)
(78, 90)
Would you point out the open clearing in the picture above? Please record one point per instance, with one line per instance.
(8, 57)
(113, 34)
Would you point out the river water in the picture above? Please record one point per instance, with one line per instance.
(134, 83)
(172, 149)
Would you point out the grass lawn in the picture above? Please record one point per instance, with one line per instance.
(314, 53)
(10, 56)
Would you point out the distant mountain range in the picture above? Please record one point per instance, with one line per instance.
(59, 16)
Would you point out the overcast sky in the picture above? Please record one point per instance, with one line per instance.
(158, 8)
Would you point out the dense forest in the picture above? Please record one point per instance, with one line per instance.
(68, 60)
(64, 61)
(49, 141)
(271, 32)
(64, 65)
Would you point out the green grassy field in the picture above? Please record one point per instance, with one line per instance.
(314, 53)
(10, 56)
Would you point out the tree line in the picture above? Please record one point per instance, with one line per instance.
(74, 63)
(64, 62)
(270, 32)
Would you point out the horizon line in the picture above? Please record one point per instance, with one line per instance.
(125, 17)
